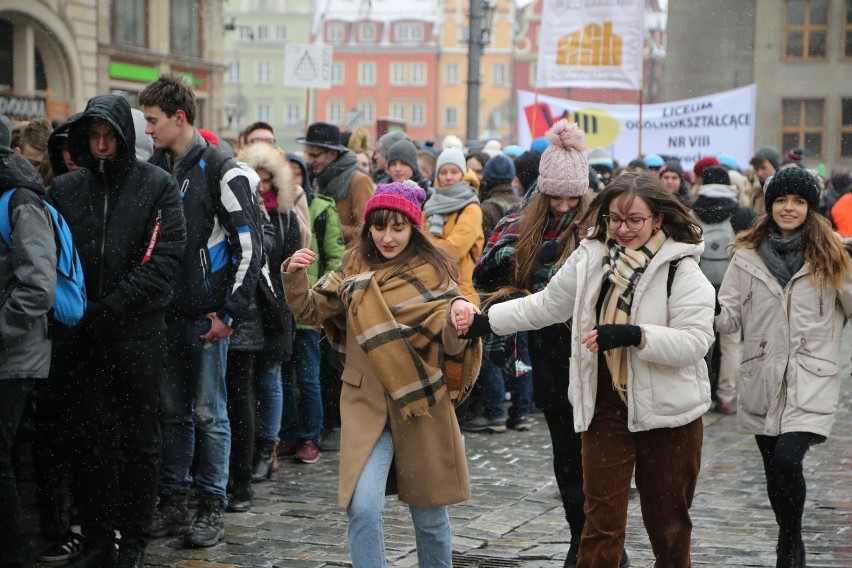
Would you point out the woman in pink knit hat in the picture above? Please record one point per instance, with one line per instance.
(388, 307)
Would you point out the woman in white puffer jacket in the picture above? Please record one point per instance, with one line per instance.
(787, 289)
(642, 323)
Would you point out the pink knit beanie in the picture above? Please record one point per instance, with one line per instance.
(406, 198)
(564, 169)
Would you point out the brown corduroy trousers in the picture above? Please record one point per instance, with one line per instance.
(667, 462)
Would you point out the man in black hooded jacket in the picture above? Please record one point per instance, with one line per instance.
(129, 229)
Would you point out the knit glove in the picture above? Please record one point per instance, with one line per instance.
(547, 254)
(613, 335)
(479, 328)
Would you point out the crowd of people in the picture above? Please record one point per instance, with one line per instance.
(248, 307)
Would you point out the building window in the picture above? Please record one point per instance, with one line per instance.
(806, 29)
(367, 32)
(333, 113)
(848, 30)
(263, 112)
(418, 114)
(186, 27)
(451, 117)
(233, 71)
(846, 127)
(397, 111)
(294, 114)
(281, 33)
(263, 75)
(802, 125)
(337, 74)
(451, 74)
(367, 74)
(263, 33)
(496, 119)
(498, 74)
(368, 111)
(334, 32)
(397, 74)
(418, 74)
(408, 33)
(126, 15)
(245, 33)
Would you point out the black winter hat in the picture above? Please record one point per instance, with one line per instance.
(499, 169)
(795, 181)
(405, 151)
(526, 167)
(716, 175)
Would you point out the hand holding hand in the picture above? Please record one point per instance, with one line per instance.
(218, 329)
(480, 327)
(302, 258)
(610, 336)
(461, 315)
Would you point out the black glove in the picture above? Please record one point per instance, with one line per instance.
(547, 254)
(480, 326)
(614, 335)
(718, 306)
(93, 316)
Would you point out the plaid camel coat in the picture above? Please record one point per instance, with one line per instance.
(430, 468)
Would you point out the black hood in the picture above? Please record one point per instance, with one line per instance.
(307, 184)
(54, 143)
(17, 171)
(714, 209)
(115, 110)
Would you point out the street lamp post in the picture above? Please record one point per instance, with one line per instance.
(481, 18)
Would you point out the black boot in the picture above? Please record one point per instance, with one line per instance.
(171, 516)
(790, 550)
(573, 550)
(240, 499)
(208, 525)
(130, 556)
(263, 457)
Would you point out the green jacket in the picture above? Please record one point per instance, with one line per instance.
(326, 239)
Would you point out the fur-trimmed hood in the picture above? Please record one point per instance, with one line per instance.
(273, 160)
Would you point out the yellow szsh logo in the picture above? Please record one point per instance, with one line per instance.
(594, 46)
(601, 129)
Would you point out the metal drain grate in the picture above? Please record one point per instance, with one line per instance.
(479, 561)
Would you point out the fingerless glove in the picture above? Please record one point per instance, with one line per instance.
(480, 326)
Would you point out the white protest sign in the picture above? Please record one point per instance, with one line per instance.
(307, 66)
(688, 129)
(591, 43)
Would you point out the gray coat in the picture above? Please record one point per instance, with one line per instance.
(27, 274)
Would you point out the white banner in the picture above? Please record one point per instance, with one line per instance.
(688, 129)
(591, 43)
(307, 66)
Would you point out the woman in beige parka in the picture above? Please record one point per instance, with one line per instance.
(788, 289)
(388, 307)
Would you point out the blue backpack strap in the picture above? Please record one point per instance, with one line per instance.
(6, 217)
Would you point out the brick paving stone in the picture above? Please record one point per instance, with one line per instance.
(515, 512)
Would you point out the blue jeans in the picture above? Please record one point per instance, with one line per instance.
(194, 398)
(494, 381)
(303, 410)
(269, 399)
(366, 517)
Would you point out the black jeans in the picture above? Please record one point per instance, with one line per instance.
(785, 481)
(239, 380)
(13, 398)
(549, 353)
(114, 420)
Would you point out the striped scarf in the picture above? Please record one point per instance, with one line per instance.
(623, 267)
(397, 314)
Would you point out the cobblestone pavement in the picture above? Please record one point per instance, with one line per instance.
(515, 517)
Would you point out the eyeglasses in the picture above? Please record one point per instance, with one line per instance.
(633, 223)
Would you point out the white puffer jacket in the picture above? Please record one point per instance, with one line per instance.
(667, 380)
(789, 376)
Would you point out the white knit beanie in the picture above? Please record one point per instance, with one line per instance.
(564, 169)
(452, 156)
